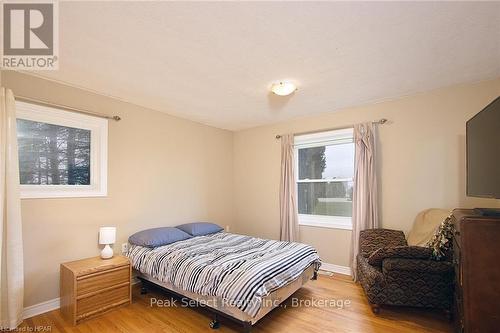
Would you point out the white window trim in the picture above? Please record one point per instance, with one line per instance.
(98, 151)
(322, 221)
(316, 140)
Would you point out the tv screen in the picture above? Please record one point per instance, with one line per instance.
(483, 152)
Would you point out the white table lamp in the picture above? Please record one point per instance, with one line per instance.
(107, 236)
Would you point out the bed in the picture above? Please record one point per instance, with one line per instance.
(236, 276)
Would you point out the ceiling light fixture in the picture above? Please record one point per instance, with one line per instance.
(283, 88)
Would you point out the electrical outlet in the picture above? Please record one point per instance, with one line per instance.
(124, 248)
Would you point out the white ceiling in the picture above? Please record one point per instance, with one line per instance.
(214, 62)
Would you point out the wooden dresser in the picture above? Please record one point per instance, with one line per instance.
(476, 256)
(90, 287)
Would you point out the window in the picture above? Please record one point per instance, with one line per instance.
(325, 171)
(61, 154)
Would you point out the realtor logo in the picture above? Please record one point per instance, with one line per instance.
(30, 32)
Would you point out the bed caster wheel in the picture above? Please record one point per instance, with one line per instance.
(214, 324)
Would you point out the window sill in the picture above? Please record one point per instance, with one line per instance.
(330, 222)
(61, 191)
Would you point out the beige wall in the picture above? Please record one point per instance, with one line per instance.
(162, 171)
(421, 153)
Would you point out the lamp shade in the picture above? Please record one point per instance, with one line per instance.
(107, 235)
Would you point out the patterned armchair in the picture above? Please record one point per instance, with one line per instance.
(393, 273)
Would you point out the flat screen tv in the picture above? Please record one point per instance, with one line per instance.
(483, 152)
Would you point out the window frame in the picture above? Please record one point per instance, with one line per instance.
(98, 128)
(340, 136)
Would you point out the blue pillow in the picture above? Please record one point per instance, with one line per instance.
(200, 228)
(158, 237)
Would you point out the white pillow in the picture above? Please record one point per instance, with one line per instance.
(425, 226)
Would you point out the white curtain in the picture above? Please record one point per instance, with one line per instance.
(11, 243)
(364, 203)
(289, 220)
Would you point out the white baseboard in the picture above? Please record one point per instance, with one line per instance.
(33, 310)
(345, 270)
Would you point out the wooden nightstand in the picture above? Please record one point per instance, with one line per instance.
(90, 287)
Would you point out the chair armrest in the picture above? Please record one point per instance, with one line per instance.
(371, 240)
(369, 275)
(416, 265)
(409, 252)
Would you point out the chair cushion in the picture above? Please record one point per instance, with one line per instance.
(427, 267)
(410, 252)
(425, 225)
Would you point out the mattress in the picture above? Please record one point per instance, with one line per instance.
(269, 302)
(236, 269)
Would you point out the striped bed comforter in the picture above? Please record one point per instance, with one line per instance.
(241, 270)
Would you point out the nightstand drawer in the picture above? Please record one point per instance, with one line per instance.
(101, 302)
(92, 286)
(97, 281)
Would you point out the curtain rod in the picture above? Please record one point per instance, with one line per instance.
(380, 121)
(65, 107)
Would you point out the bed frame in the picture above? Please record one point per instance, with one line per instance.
(271, 301)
